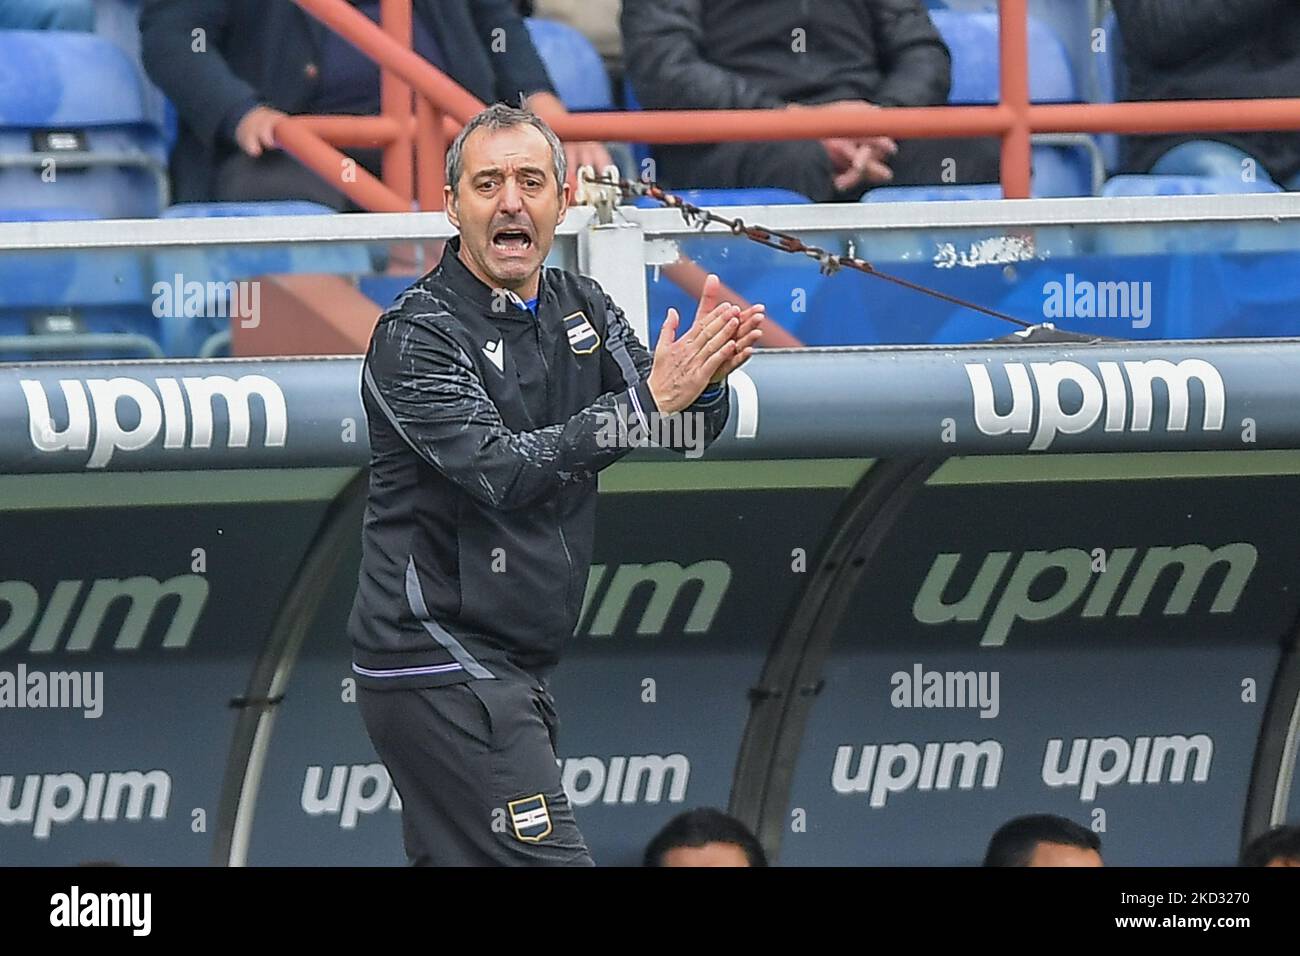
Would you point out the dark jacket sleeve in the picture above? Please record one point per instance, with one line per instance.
(627, 361)
(662, 49)
(915, 62)
(427, 388)
(519, 69)
(206, 92)
(1170, 32)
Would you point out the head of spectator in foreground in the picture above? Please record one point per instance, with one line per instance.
(1280, 846)
(705, 837)
(506, 193)
(1043, 840)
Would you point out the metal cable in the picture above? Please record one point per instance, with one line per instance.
(829, 262)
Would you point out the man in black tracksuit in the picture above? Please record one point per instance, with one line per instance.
(495, 391)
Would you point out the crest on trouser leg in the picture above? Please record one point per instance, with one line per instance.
(531, 818)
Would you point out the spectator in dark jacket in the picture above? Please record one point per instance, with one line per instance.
(1212, 49)
(233, 68)
(778, 54)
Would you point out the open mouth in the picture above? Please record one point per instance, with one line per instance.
(511, 240)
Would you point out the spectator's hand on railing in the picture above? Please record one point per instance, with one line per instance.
(256, 130)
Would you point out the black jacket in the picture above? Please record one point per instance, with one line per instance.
(1212, 49)
(486, 430)
(741, 54)
(265, 51)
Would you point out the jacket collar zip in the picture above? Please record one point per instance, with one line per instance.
(455, 274)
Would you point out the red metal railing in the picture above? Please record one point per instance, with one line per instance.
(416, 140)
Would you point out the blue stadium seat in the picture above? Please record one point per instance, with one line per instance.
(972, 39)
(42, 214)
(933, 193)
(88, 293)
(1111, 83)
(1063, 165)
(76, 128)
(38, 280)
(573, 64)
(1198, 240)
(119, 22)
(188, 336)
(1054, 175)
(1184, 186)
(224, 210)
(383, 289)
(1065, 170)
(732, 197)
(1071, 20)
(580, 78)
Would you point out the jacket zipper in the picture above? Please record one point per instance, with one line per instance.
(568, 591)
(541, 354)
(555, 505)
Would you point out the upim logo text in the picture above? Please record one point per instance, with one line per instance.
(1045, 585)
(643, 779)
(892, 768)
(691, 593)
(179, 299)
(55, 798)
(1107, 761)
(363, 789)
(162, 411)
(1126, 397)
(143, 601)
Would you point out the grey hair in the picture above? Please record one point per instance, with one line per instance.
(504, 116)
